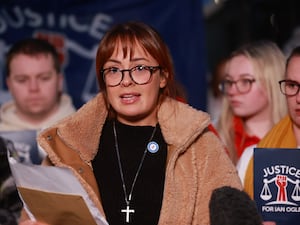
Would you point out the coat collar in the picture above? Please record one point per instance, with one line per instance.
(180, 125)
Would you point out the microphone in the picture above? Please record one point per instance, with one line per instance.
(230, 206)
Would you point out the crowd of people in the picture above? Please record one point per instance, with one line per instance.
(135, 156)
(260, 110)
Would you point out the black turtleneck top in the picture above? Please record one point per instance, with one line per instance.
(148, 190)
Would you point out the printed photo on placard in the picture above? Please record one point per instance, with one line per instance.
(24, 142)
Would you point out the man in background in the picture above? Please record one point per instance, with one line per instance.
(35, 82)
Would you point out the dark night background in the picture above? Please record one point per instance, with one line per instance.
(234, 22)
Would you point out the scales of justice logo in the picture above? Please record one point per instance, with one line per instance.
(285, 190)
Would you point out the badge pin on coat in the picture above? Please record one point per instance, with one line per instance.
(152, 147)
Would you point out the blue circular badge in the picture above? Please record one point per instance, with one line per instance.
(152, 147)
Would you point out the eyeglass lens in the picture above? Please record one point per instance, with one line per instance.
(139, 74)
(289, 87)
(242, 85)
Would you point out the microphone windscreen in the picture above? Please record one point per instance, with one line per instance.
(230, 206)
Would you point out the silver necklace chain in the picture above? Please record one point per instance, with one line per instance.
(128, 198)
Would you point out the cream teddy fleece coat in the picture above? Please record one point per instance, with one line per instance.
(196, 163)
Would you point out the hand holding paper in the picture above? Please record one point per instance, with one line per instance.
(54, 195)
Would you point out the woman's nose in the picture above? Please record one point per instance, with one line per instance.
(126, 81)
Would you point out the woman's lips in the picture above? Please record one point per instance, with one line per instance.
(297, 112)
(129, 98)
(235, 103)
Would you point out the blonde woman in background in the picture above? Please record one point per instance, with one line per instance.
(286, 133)
(252, 103)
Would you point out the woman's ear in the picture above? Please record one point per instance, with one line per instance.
(163, 79)
(60, 82)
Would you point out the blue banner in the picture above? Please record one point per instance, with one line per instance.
(76, 27)
(276, 184)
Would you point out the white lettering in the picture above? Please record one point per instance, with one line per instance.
(267, 209)
(3, 25)
(99, 24)
(50, 19)
(18, 17)
(279, 209)
(281, 169)
(76, 26)
(35, 20)
(293, 209)
(63, 21)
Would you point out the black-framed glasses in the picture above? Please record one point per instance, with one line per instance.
(243, 85)
(289, 87)
(140, 74)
